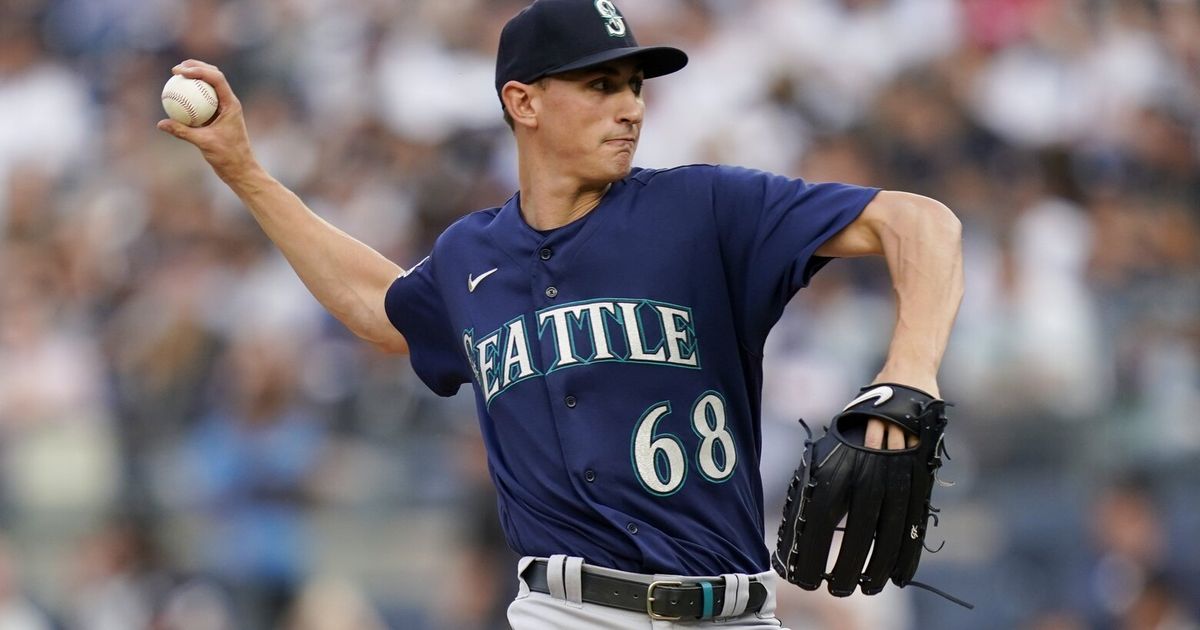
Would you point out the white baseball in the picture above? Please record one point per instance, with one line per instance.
(190, 101)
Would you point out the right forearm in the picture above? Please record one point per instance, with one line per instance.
(346, 276)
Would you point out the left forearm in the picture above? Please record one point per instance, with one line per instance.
(923, 249)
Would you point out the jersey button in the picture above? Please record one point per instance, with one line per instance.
(551, 292)
(570, 401)
(546, 253)
(589, 475)
(631, 528)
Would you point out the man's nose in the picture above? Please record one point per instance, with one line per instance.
(633, 108)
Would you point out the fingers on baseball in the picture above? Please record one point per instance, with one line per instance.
(195, 69)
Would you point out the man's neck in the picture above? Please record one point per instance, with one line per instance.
(550, 201)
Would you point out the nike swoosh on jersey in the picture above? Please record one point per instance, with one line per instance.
(474, 282)
(883, 393)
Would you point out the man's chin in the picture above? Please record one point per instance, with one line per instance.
(621, 167)
(611, 170)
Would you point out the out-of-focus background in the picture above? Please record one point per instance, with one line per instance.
(188, 442)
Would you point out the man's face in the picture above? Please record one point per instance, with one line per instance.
(590, 120)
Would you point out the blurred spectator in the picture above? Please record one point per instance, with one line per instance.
(482, 566)
(818, 610)
(254, 459)
(332, 604)
(1159, 606)
(116, 583)
(1056, 620)
(56, 444)
(17, 612)
(44, 103)
(196, 604)
(1132, 581)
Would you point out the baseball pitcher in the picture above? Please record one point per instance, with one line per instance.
(611, 321)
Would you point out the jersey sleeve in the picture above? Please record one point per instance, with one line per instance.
(415, 307)
(769, 227)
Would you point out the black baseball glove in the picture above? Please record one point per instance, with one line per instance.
(884, 495)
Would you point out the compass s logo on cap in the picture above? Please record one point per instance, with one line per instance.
(615, 22)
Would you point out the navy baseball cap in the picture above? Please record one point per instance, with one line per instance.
(554, 36)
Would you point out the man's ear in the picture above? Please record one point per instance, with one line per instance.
(519, 100)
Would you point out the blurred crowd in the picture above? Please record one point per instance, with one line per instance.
(188, 442)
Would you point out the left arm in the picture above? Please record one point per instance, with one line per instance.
(921, 240)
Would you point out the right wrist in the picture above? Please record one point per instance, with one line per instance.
(244, 178)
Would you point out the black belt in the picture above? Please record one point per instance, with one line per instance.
(668, 600)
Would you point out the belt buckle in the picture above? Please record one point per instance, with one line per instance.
(650, 600)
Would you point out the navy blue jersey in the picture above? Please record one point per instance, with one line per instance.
(617, 360)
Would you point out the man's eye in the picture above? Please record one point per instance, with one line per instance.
(637, 87)
(601, 85)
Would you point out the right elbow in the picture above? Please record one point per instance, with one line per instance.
(391, 344)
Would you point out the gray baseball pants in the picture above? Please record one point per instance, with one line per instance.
(563, 609)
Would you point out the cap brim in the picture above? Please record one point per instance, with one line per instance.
(656, 60)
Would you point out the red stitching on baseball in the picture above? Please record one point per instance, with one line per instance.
(207, 93)
(183, 102)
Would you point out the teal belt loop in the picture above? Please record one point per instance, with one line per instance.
(708, 600)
